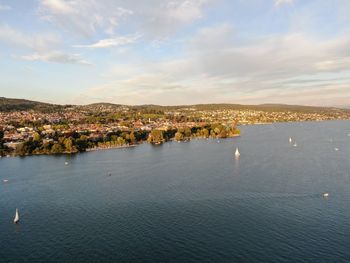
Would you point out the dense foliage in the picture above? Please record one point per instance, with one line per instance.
(57, 142)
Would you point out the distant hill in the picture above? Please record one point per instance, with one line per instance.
(100, 106)
(261, 107)
(7, 104)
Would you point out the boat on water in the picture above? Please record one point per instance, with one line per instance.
(66, 163)
(16, 219)
(325, 194)
(336, 149)
(237, 154)
(295, 144)
(290, 139)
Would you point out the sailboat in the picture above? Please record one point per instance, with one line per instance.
(290, 139)
(16, 220)
(237, 154)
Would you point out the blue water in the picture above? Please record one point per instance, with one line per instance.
(185, 202)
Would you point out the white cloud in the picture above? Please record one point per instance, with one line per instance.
(185, 11)
(57, 57)
(44, 46)
(112, 42)
(38, 42)
(84, 17)
(163, 18)
(281, 2)
(154, 18)
(218, 67)
(59, 6)
(5, 7)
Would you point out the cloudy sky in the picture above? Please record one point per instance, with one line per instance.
(176, 51)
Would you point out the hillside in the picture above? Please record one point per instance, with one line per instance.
(8, 104)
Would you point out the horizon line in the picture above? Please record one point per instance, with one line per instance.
(178, 105)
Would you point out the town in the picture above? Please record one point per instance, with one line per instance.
(72, 129)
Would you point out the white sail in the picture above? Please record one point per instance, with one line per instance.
(290, 139)
(237, 154)
(16, 217)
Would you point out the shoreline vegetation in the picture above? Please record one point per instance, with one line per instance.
(33, 128)
(74, 142)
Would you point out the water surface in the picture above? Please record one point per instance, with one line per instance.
(185, 202)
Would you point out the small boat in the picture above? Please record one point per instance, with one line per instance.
(16, 220)
(237, 154)
(66, 163)
(336, 149)
(295, 145)
(290, 139)
(325, 194)
(5, 180)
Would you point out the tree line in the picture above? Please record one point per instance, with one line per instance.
(58, 143)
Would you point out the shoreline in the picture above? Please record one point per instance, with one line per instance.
(108, 148)
(173, 140)
(117, 147)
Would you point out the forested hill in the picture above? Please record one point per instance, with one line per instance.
(8, 104)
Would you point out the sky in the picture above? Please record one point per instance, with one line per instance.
(176, 52)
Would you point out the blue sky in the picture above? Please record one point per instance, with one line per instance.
(176, 51)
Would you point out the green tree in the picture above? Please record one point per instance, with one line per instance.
(205, 133)
(82, 143)
(56, 148)
(68, 145)
(223, 134)
(121, 141)
(1, 140)
(156, 137)
(132, 137)
(36, 137)
(46, 147)
(20, 149)
(179, 136)
(187, 132)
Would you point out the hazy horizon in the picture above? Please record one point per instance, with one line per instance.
(170, 105)
(176, 52)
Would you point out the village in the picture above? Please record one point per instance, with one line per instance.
(105, 126)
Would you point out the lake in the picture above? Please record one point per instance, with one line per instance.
(185, 202)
